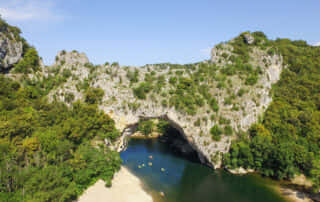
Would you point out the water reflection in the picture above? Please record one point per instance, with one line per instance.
(185, 181)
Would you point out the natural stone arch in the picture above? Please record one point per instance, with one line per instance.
(131, 128)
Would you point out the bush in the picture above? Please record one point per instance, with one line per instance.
(133, 76)
(216, 133)
(115, 64)
(251, 80)
(66, 73)
(141, 91)
(173, 80)
(29, 62)
(94, 95)
(69, 97)
(214, 105)
(241, 92)
(228, 130)
(145, 127)
(164, 103)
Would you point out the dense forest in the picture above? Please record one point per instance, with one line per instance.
(286, 141)
(49, 151)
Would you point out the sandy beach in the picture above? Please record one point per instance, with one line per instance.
(126, 187)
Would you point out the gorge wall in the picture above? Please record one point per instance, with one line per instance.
(209, 102)
(163, 86)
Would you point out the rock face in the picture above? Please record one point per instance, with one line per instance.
(126, 109)
(248, 38)
(71, 58)
(11, 51)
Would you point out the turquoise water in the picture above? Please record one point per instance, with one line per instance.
(185, 181)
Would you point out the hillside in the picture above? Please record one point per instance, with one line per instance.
(228, 93)
(254, 104)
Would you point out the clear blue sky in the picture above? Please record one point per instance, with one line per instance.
(138, 32)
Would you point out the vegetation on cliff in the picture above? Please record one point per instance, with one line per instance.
(287, 140)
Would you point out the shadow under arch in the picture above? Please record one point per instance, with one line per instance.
(175, 137)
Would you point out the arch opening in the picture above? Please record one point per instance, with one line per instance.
(173, 136)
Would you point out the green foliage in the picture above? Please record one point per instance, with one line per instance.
(287, 140)
(163, 126)
(66, 73)
(228, 130)
(133, 106)
(197, 122)
(7, 30)
(214, 105)
(29, 62)
(164, 103)
(241, 92)
(142, 90)
(133, 76)
(94, 95)
(252, 79)
(173, 80)
(46, 149)
(241, 48)
(216, 132)
(115, 64)
(145, 127)
(69, 97)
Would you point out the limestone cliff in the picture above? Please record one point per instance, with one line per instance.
(240, 102)
(11, 46)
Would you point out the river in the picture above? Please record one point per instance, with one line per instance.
(184, 181)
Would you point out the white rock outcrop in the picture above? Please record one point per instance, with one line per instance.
(10, 51)
(126, 110)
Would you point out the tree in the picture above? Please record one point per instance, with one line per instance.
(145, 127)
(216, 133)
(94, 95)
(29, 62)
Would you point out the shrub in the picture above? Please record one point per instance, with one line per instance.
(145, 127)
(228, 130)
(223, 120)
(69, 97)
(214, 104)
(66, 73)
(133, 106)
(141, 91)
(164, 103)
(241, 92)
(251, 80)
(133, 76)
(29, 62)
(216, 133)
(115, 64)
(271, 51)
(197, 122)
(94, 95)
(173, 80)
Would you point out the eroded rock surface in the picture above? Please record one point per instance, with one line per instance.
(126, 109)
(10, 51)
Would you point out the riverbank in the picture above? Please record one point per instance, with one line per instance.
(126, 187)
(298, 189)
(294, 195)
(294, 190)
